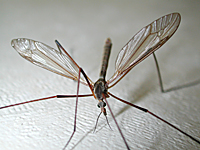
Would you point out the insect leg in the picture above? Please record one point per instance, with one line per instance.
(86, 78)
(116, 123)
(172, 88)
(147, 111)
(159, 74)
(75, 116)
(46, 98)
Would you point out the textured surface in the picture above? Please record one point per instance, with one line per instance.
(82, 27)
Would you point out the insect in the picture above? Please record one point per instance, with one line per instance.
(139, 47)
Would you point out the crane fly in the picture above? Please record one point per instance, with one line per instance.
(139, 47)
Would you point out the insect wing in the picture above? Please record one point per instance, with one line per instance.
(47, 57)
(144, 43)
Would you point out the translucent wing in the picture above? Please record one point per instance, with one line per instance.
(47, 57)
(144, 43)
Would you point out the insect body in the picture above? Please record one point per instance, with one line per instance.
(140, 46)
(100, 86)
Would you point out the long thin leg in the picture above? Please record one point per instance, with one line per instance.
(60, 96)
(159, 74)
(64, 96)
(46, 98)
(173, 88)
(116, 123)
(86, 78)
(75, 116)
(60, 47)
(81, 70)
(147, 111)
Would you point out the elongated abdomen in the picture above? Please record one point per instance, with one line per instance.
(106, 55)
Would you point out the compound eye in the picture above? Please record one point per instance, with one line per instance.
(98, 105)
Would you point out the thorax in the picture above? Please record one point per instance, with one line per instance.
(100, 87)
